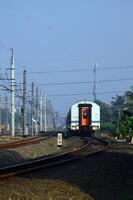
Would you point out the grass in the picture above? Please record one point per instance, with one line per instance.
(18, 188)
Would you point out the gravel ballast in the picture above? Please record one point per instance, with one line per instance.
(44, 148)
(107, 176)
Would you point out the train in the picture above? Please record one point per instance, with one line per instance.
(83, 118)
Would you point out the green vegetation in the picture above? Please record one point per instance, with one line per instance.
(117, 118)
(108, 126)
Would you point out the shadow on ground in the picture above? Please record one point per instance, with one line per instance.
(107, 176)
(9, 157)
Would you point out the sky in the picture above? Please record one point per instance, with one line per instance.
(69, 35)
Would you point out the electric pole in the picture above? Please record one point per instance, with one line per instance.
(94, 81)
(6, 100)
(24, 101)
(45, 112)
(0, 111)
(32, 108)
(0, 100)
(0, 108)
(40, 111)
(12, 93)
(29, 112)
(36, 109)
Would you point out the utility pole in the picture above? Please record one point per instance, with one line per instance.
(32, 108)
(54, 119)
(12, 93)
(45, 112)
(0, 100)
(24, 101)
(6, 101)
(37, 109)
(29, 112)
(0, 108)
(18, 117)
(40, 111)
(94, 81)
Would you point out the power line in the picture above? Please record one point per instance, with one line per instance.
(64, 83)
(84, 82)
(94, 81)
(7, 78)
(5, 87)
(113, 68)
(3, 79)
(78, 70)
(2, 45)
(113, 80)
(78, 94)
(58, 71)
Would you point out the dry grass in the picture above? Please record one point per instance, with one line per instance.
(107, 176)
(18, 188)
(5, 139)
(46, 147)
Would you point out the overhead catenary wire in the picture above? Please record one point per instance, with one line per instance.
(3, 80)
(8, 89)
(78, 94)
(79, 70)
(9, 84)
(69, 71)
(84, 82)
(114, 67)
(3, 46)
(13, 87)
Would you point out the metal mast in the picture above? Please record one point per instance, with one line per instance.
(36, 109)
(32, 108)
(94, 87)
(45, 115)
(24, 101)
(40, 111)
(12, 94)
(6, 100)
(0, 108)
(0, 100)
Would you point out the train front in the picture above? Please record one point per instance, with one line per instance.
(85, 117)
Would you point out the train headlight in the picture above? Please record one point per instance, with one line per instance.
(77, 127)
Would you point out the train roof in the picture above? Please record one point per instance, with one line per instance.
(84, 102)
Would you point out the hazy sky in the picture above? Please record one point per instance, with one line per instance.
(54, 35)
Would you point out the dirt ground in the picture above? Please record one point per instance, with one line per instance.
(46, 147)
(5, 139)
(107, 176)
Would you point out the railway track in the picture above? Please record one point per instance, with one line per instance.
(91, 146)
(26, 141)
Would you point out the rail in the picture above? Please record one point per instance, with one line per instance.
(26, 141)
(47, 161)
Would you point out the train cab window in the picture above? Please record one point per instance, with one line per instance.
(85, 115)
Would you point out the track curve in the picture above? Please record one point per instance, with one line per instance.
(46, 161)
(26, 141)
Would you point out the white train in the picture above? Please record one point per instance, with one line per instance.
(83, 117)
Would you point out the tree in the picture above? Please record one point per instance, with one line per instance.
(129, 99)
(117, 117)
(105, 110)
(123, 113)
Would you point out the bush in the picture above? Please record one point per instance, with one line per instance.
(126, 127)
(111, 128)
